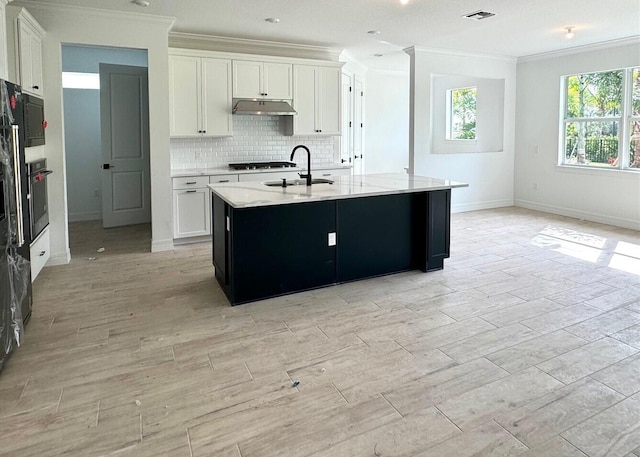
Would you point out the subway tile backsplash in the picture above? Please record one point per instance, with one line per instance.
(255, 138)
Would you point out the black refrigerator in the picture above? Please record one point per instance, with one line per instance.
(15, 270)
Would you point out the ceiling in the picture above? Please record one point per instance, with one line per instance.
(519, 28)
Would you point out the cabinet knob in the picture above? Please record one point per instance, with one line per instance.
(36, 87)
(42, 253)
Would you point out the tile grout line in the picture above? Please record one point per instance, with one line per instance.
(210, 362)
(340, 392)
(189, 442)
(52, 321)
(141, 429)
(511, 434)
(322, 331)
(173, 354)
(247, 367)
(391, 404)
(24, 388)
(396, 341)
(59, 400)
(448, 418)
(98, 414)
(238, 448)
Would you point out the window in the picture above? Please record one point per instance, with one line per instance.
(461, 114)
(71, 80)
(601, 125)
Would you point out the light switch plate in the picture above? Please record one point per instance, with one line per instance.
(332, 239)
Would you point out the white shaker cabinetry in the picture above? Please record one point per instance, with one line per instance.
(316, 98)
(192, 204)
(268, 80)
(40, 253)
(4, 70)
(191, 207)
(24, 39)
(199, 96)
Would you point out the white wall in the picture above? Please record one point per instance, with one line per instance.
(68, 25)
(386, 121)
(608, 196)
(489, 174)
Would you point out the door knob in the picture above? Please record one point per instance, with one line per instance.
(106, 166)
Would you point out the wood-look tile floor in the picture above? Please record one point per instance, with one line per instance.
(526, 344)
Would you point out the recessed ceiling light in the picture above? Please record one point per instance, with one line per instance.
(570, 33)
(374, 32)
(272, 20)
(404, 2)
(143, 3)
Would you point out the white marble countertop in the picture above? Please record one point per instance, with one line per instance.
(224, 170)
(254, 194)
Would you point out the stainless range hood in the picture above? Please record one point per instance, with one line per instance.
(263, 108)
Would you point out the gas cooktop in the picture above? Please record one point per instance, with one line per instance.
(260, 165)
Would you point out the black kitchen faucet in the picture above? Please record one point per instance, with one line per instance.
(308, 175)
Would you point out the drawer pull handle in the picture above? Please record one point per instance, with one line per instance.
(191, 191)
(42, 253)
(224, 180)
(191, 182)
(326, 174)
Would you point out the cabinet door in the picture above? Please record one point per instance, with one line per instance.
(26, 62)
(247, 79)
(216, 97)
(328, 100)
(184, 96)
(191, 213)
(36, 64)
(281, 249)
(277, 80)
(304, 100)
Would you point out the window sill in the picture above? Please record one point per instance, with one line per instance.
(585, 170)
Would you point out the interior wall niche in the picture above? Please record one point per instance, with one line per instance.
(489, 114)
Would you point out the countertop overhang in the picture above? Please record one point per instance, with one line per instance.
(256, 194)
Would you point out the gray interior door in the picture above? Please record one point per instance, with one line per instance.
(124, 122)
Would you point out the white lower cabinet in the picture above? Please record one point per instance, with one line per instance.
(269, 176)
(329, 173)
(40, 253)
(191, 207)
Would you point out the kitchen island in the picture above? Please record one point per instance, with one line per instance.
(270, 240)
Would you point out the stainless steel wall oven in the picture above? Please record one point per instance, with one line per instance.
(38, 203)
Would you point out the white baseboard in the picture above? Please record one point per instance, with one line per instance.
(162, 245)
(586, 215)
(191, 240)
(475, 206)
(88, 216)
(59, 258)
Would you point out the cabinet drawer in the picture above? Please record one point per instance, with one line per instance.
(332, 172)
(191, 213)
(40, 253)
(191, 182)
(223, 178)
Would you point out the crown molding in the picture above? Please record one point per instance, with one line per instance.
(414, 50)
(82, 10)
(580, 49)
(249, 46)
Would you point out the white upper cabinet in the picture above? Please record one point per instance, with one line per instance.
(4, 70)
(316, 99)
(269, 80)
(24, 36)
(199, 96)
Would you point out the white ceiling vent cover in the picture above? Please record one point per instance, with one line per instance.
(479, 15)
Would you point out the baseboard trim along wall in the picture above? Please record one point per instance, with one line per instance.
(88, 216)
(59, 258)
(161, 245)
(587, 216)
(475, 206)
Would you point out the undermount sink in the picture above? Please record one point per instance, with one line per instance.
(297, 182)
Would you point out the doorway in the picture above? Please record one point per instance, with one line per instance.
(88, 181)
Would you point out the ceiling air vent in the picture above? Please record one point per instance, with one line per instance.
(479, 15)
